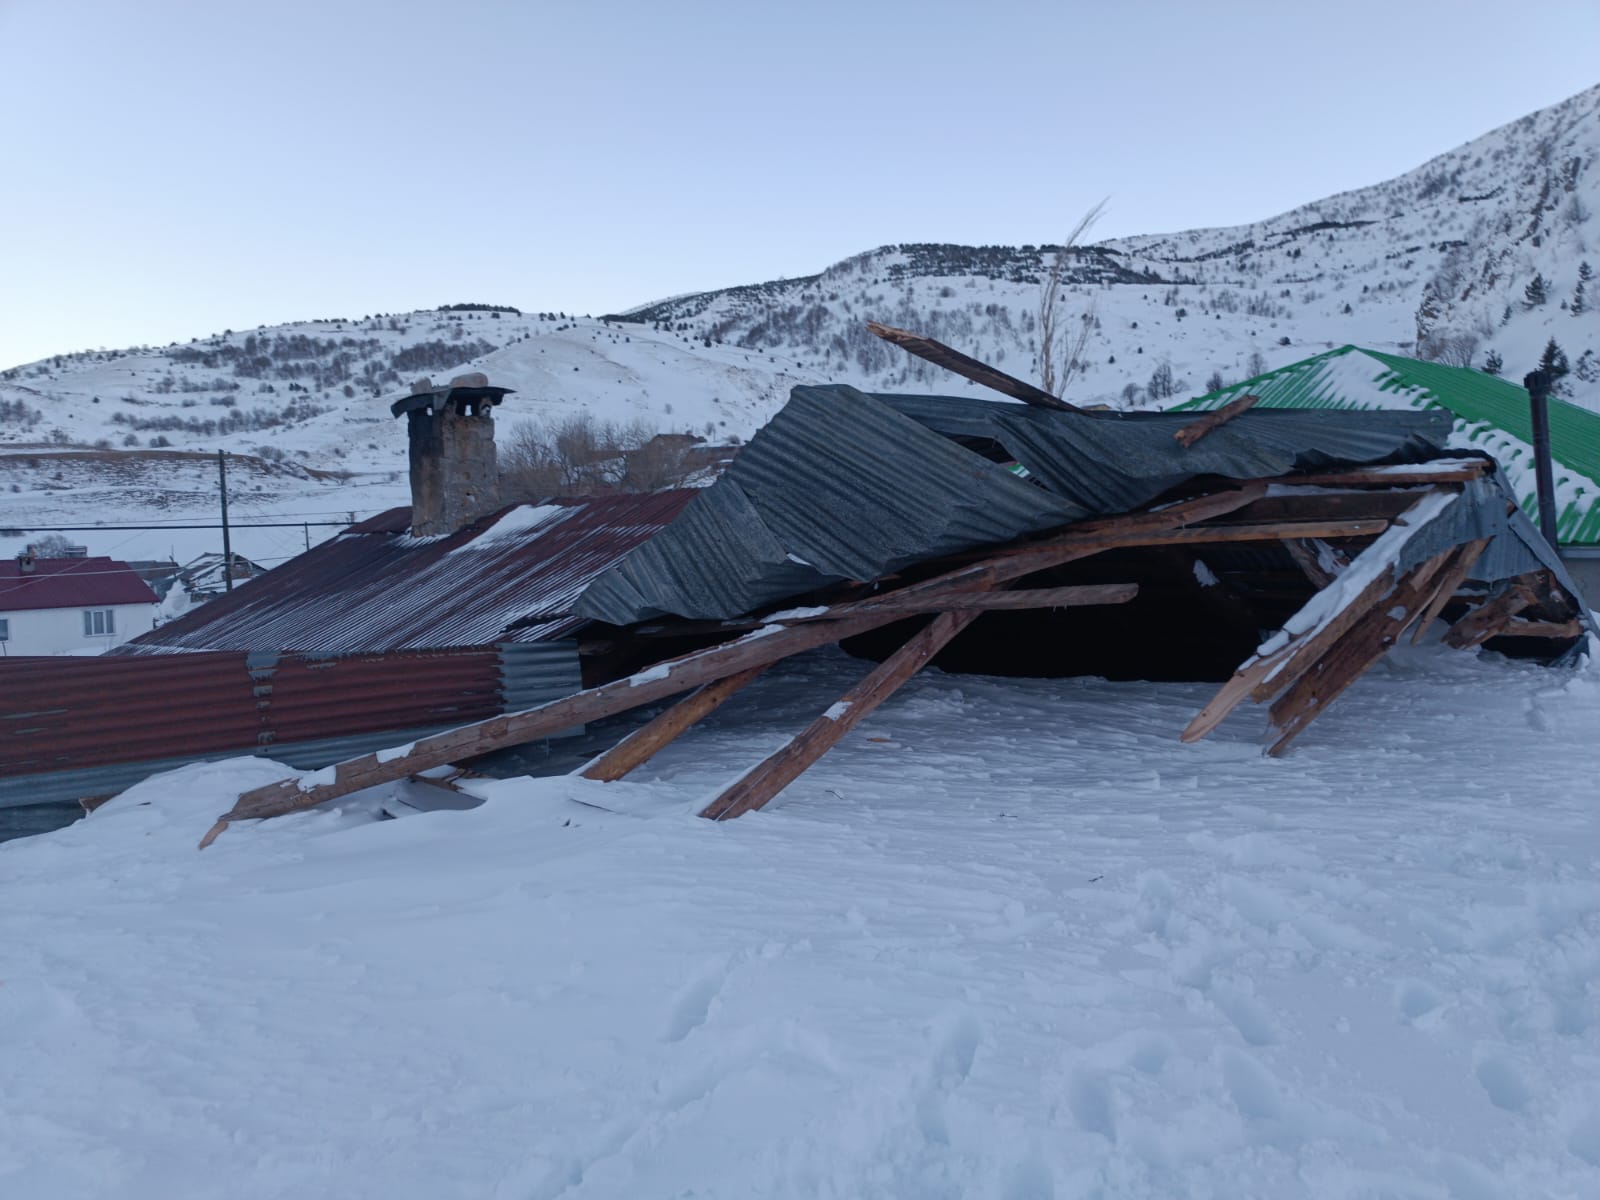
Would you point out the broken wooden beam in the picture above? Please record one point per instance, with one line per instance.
(760, 647)
(1485, 621)
(1450, 580)
(647, 741)
(764, 781)
(941, 355)
(1307, 556)
(1195, 430)
(1362, 645)
(1541, 629)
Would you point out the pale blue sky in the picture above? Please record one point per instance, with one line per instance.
(175, 167)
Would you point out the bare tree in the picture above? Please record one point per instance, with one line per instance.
(581, 456)
(1059, 361)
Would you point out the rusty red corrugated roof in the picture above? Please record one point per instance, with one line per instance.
(63, 714)
(377, 588)
(70, 583)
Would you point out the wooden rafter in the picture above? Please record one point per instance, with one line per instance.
(969, 368)
(778, 771)
(1195, 430)
(647, 741)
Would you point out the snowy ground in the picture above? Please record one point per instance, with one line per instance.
(1011, 940)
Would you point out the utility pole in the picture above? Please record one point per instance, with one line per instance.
(227, 543)
(307, 529)
(1538, 385)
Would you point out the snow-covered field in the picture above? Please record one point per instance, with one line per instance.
(1009, 940)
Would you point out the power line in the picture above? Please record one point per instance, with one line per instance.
(7, 529)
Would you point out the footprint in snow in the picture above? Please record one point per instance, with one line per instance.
(1503, 1083)
(692, 1005)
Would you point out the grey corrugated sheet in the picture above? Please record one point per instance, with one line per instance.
(1114, 462)
(846, 485)
(538, 672)
(837, 486)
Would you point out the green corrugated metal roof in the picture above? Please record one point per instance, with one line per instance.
(1491, 414)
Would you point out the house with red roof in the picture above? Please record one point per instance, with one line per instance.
(70, 605)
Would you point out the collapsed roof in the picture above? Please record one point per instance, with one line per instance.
(876, 510)
(842, 485)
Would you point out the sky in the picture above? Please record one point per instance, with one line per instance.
(178, 167)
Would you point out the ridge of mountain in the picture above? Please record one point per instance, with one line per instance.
(1442, 260)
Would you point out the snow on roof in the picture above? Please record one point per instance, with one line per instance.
(70, 583)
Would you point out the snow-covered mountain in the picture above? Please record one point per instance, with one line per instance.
(1480, 251)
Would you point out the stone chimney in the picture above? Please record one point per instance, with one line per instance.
(25, 561)
(455, 478)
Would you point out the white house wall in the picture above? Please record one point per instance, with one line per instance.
(41, 631)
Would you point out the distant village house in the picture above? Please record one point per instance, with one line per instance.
(80, 605)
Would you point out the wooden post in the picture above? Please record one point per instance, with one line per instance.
(643, 744)
(777, 772)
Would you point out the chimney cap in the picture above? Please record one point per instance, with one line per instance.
(470, 388)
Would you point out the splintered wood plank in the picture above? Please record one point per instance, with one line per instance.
(1306, 558)
(644, 743)
(1264, 675)
(1195, 430)
(1541, 629)
(1453, 576)
(767, 779)
(1311, 632)
(1362, 645)
(1483, 622)
(969, 368)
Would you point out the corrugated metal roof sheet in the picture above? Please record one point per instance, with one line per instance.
(70, 583)
(845, 485)
(1491, 414)
(512, 576)
(73, 727)
(67, 713)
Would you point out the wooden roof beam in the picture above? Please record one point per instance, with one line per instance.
(941, 355)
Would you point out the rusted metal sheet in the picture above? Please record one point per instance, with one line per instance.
(513, 576)
(62, 714)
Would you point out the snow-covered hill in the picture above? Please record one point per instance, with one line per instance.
(1457, 252)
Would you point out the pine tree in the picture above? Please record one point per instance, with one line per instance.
(1585, 272)
(1537, 292)
(1493, 364)
(1427, 314)
(1553, 362)
(1579, 303)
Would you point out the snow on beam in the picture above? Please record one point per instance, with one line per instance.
(1327, 617)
